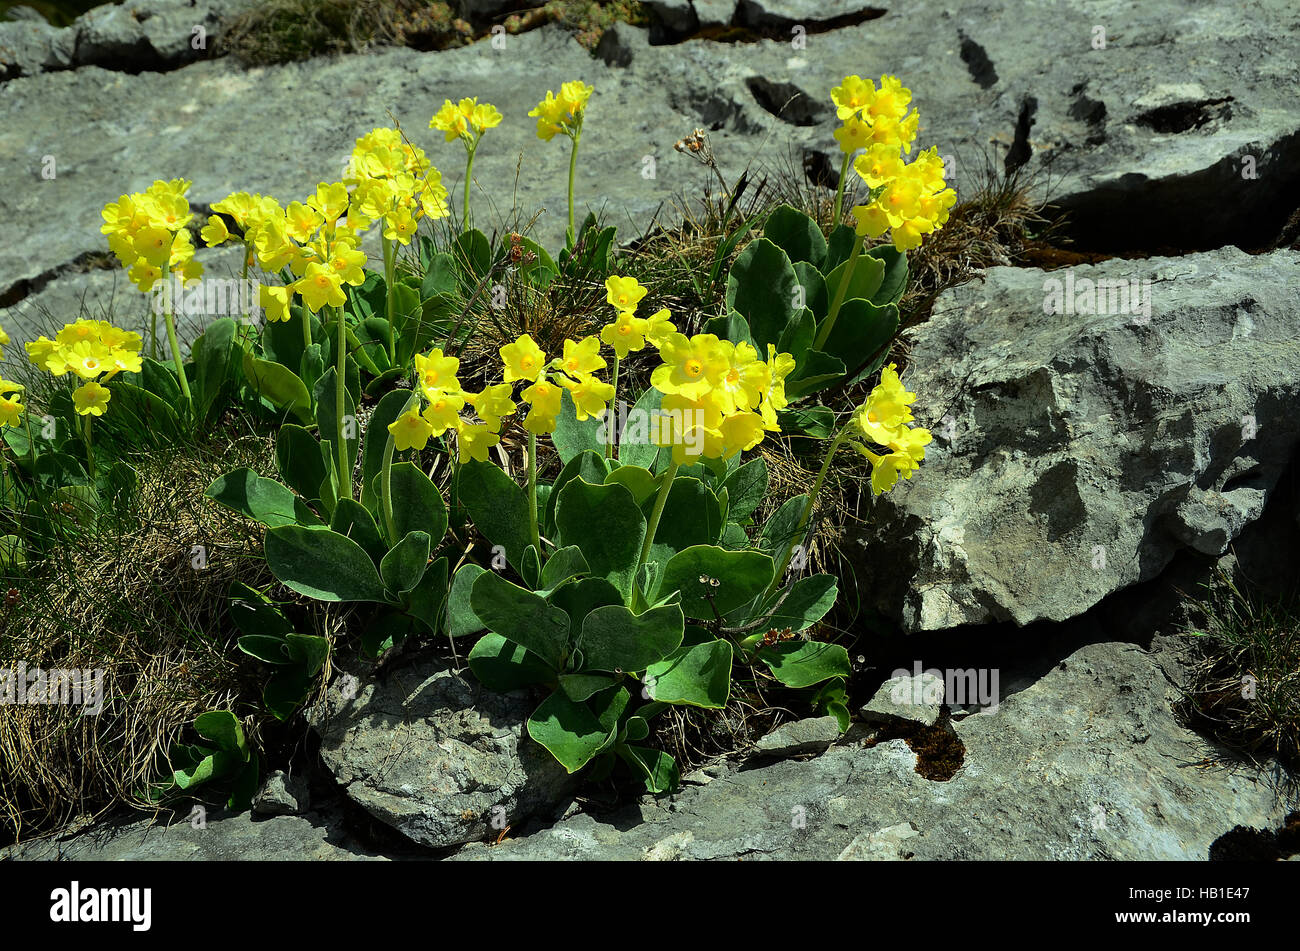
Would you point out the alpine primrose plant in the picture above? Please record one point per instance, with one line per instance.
(633, 579)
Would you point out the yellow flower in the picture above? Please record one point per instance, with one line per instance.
(659, 327)
(582, 357)
(692, 366)
(275, 301)
(301, 221)
(153, 244)
(890, 100)
(474, 440)
(745, 380)
(348, 262)
(330, 201)
(903, 459)
(562, 113)
(886, 411)
(691, 427)
(320, 287)
(443, 411)
(879, 165)
(90, 399)
(215, 231)
(623, 293)
(88, 359)
(590, 396)
(523, 360)
(626, 334)
(11, 410)
(852, 96)
(544, 398)
(854, 134)
(410, 431)
(274, 249)
(239, 205)
(491, 404)
(741, 432)
(436, 371)
(4, 342)
(872, 220)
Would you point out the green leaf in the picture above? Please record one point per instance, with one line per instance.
(747, 487)
(253, 612)
(308, 650)
(816, 298)
(351, 519)
(605, 522)
(461, 619)
(279, 386)
(806, 603)
(427, 600)
(817, 422)
(521, 616)
(804, 663)
(797, 235)
(263, 500)
(615, 639)
(498, 505)
(691, 516)
(658, 769)
(762, 286)
(571, 438)
(742, 575)
(222, 728)
(797, 339)
(783, 526)
(541, 270)
(266, 648)
(698, 676)
(861, 330)
(417, 504)
(214, 359)
(441, 276)
(473, 253)
(327, 418)
(569, 730)
(579, 687)
(588, 465)
(372, 455)
(503, 665)
(285, 690)
(838, 247)
(642, 483)
(868, 273)
(322, 564)
(635, 448)
(299, 457)
(562, 565)
(895, 281)
(403, 567)
(580, 598)
(731, 326)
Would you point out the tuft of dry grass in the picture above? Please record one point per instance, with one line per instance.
(126, 599)
(1245, 689)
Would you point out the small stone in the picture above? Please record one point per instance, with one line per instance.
(916, 698)
(886, 845)
(814, 735)
(282, 795)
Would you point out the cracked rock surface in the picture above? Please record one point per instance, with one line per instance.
(1076, 454)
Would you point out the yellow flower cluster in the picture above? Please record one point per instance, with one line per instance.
(11, 409)
(466, 120)
(882, 420)
(628, 333)
(395, 184)
(93, 350)
(562, 113)
(147, 231)
(720, 397)
(445, 398)
(574, 370)
(912, 201)
(907, 200)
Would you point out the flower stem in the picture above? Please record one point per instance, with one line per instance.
(824, 334)
(386, 475)
(469, 171)
(390, 265)
(839, 190)
(532, 494)
(806, 515)
(571, 234)
(611, 421)
(90, 452)
(340, 407)
(176, 354)
(655, 514)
